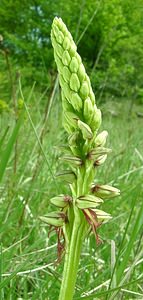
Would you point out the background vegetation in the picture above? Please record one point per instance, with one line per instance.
(109, 37)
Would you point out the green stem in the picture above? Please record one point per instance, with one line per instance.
(72, 257)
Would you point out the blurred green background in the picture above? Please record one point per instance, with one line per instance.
(108, 34)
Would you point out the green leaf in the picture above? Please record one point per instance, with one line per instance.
(9, 147)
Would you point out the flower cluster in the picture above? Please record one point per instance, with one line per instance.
(86, 149)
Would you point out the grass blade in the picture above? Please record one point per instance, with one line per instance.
(11, 142)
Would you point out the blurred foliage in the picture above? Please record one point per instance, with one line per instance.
(108, 34)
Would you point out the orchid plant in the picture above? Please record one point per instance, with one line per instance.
(78, 213)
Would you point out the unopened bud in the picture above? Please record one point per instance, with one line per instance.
(100, 161)
(85, 129)
(67, 176)
(74, 65)
(76, 101)
(66, 58)
(59, 50)
(71, 118)
(72, 159)
(96, 120)
(88, 201)
(66, 74)
(72, 49)
(88, 110)
(61, 200)
(105, 191)
(66, 43)
(65, 103)
(67, 126)
(72, 139)
(81, 72)
(74, 82)
(102, 215)
(84, 90)
(97, 152)
(56, 219)
(101, 138)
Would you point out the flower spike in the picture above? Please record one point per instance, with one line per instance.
(81, 211)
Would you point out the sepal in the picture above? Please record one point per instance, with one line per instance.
(85, 129)
(105, 191)
(102, 215)
(97, 152)
(74, 160)
(100, 139)
(100, 161)
(88, 201)
(67, 176)
(61, 201)
(56, 219)
(97, 118)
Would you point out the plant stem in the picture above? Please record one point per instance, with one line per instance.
(72, 257)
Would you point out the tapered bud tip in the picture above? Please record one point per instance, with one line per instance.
(85, 129)
(101, 138)
(56, 219)
(101, 159)
(97, 152)
(102, 215)
(74, 160)
(105, 191)
(67, 176)
(88, 201)
(61, 201)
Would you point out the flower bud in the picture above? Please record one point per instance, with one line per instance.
(81, 72)
(84, 90)
(66, 74)
(59, 50)
(105, 191)
(85, 129)
(60, 65)
(97, 152)
(67, 176)
(66, 43)
(72, 140)
(88, 201)
(74, 82)
(100, 161)
(92, 96)
(96, 120)
(101, 138)
(66, 58)
(74, 160)
(102, 215)
(56, 219)
(88, 110)
(67, 126)
(74, 65)
(72, 49)
(71, 118)
(61, 200)
(76, 101)
(66, 104)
